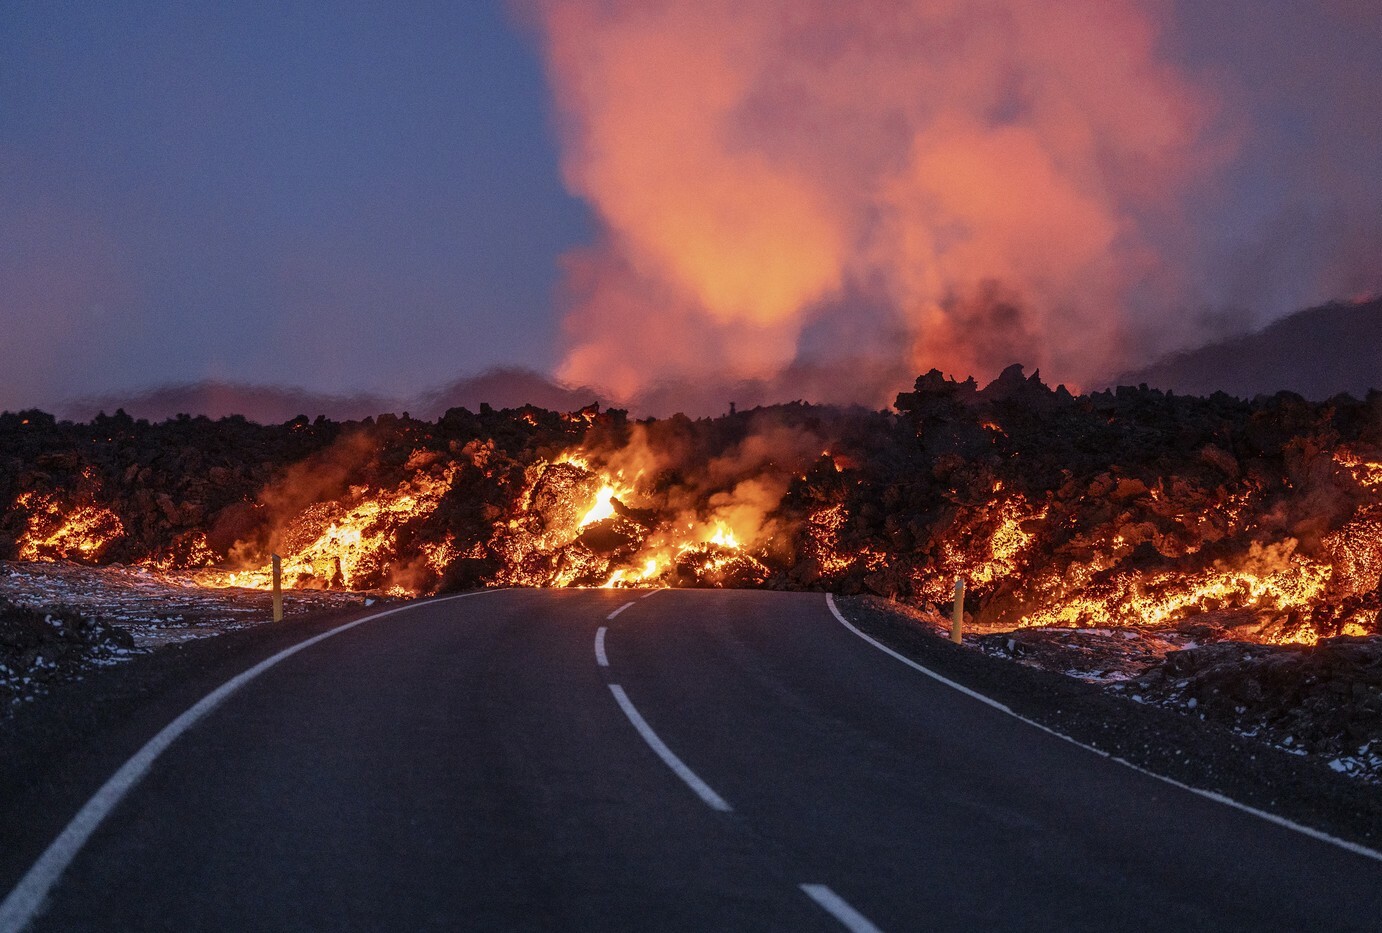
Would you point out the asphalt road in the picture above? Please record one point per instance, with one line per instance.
(702, 760)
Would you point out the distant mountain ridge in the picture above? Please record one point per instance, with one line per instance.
(501, 388)
(842, 382)
(1318, 353)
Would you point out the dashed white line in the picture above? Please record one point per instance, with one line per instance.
(600, 657)
(1272, 818)
(702, 789)
(619, 610)
(24, 902)
(839, 908)
(653, 593)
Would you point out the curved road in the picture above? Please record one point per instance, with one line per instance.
(701, 760)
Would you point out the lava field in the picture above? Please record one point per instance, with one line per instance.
(1251, 520)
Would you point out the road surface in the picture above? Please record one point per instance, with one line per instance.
(692, 760)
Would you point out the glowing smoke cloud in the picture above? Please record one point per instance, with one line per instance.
(977, 178)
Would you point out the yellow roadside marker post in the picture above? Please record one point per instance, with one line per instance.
(957, 621)
(278, 588)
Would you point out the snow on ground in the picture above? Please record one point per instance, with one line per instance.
(60, 619)
(1323, 701)
(1096, 655)
(155, 608)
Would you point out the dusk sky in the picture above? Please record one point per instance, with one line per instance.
(388, 196)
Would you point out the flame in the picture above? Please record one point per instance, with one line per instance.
(189, 552)
(990, 548)
(1366, 473)
(822, 536)
(1275, 584)
(603, 507)
(723, 537)
(1121, 551)
(1161, 598)
(337, 546)
(576, 530)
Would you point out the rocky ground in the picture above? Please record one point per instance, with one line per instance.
(38, 648)
(59, 621)
(1322, 701)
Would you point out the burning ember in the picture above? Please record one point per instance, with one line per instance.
(1262, 519)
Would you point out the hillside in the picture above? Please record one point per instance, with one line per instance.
(1319, 353)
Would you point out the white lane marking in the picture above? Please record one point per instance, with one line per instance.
(830, 601)
(839, 908)
(702, 789)
(600, 657)
(653, 593)
(1281, 821)
(24, 903)
(619, 610)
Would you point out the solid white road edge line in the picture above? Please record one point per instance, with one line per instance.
(600, 657)
(839, 908)
(702, 789)
(25, 901)
(1281, 821)
(619, 610)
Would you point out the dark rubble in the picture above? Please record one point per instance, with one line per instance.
(42, 648)
(1096, 506)
(1324, 701)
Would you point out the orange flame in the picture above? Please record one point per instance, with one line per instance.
(331, 545)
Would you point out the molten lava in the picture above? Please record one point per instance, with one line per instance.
(1261, 520)
(354, 544)
(602, 509)
(57, 532)
(583, 524)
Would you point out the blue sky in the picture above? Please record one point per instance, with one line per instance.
(354, 195)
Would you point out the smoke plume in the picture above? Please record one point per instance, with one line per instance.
(950, 184)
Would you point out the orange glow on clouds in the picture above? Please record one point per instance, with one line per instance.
(980, 168)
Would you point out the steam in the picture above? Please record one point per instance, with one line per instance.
(728, 483)
(966, 184)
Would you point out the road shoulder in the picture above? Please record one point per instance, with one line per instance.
(1178, 746)
(58, 750)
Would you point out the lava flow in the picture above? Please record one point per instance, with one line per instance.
(57, 532)
(1254, 520)
(353, 544)
(586, 525)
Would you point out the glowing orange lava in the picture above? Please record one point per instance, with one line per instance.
(353, 545)
(57, 532)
